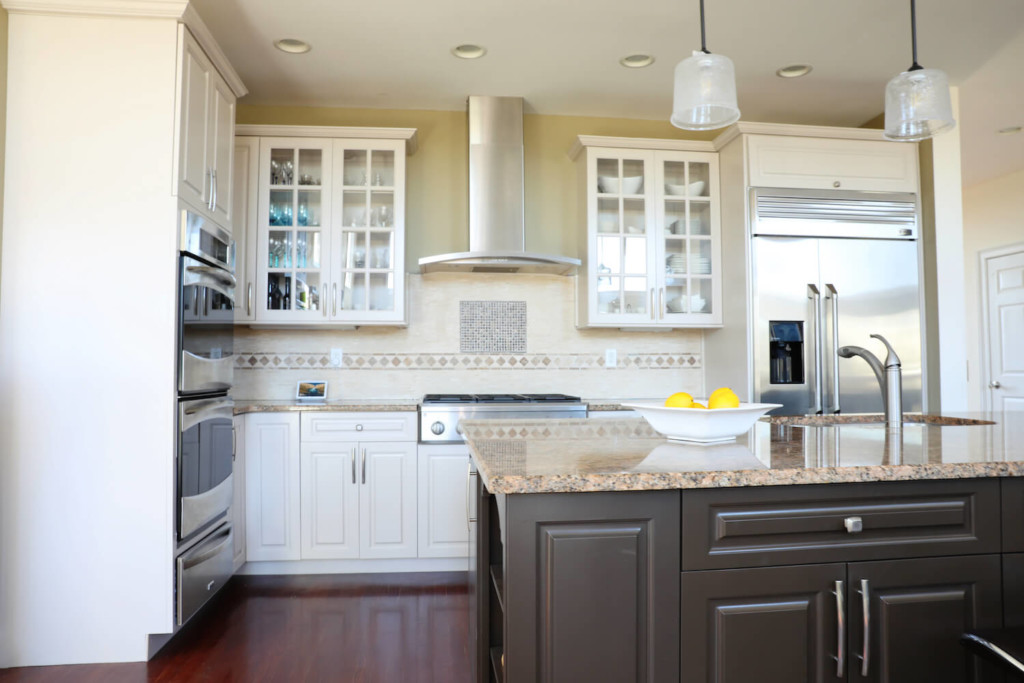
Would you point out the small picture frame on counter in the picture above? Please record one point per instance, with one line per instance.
(311, 391)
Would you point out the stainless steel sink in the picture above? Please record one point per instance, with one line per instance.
(829, 420)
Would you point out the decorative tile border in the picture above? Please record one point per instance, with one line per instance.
(246, 360)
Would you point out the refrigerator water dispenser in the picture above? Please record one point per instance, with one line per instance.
(786, 351)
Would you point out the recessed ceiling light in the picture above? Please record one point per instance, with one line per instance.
(292, 45)
(469, 51)
(794, 71)
(1010, 130)
(636, 61)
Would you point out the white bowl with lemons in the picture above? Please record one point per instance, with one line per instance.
(685, 420)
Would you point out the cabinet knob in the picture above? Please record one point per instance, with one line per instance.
(836, 184)
(995, 384)
(359, 428)
(854, 525)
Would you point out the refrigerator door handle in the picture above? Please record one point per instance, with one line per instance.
(833, 294)
(815, 296)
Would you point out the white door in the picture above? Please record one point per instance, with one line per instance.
(387, 500)
(330, 501)
(272, 486)
(443, 487)
(238, 492)
(1004, 283)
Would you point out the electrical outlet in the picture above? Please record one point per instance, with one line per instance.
(337, 357)
(611, 358)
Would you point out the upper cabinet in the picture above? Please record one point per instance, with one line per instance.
(818, 163)
(651, 233)
(326, 243)
(206, 135)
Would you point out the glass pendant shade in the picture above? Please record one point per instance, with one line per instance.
(917, 105)
(704, 96)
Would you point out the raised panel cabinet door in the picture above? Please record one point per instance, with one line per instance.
(770, 625)
(387, 500)
(1013, 590)
(443, 484)
(272, 486)
(244, 201)
(330, 501)
(917, 610)
(221, 141)
(591, 587)
(193, 148)
(238, 492)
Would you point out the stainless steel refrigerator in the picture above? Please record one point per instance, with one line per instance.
(828, 269)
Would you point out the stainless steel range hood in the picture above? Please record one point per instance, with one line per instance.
(497, 229)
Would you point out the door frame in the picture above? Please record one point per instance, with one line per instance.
(985, 372)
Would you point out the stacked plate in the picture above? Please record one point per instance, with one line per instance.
(676, 263)
(700, 265)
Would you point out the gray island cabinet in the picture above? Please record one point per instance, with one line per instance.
(603, 552)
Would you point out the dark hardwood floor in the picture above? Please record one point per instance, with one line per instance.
(365, 628)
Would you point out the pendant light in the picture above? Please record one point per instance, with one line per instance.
(705, 89)
(917, 103)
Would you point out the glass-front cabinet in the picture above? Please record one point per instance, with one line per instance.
(329, 231)
(652, 246)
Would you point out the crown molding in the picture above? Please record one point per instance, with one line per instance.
(190, 17)
(834, 132)
(583, 141)
(266, 130)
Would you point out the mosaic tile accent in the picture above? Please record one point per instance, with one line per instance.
(245, 360)
(492, 326)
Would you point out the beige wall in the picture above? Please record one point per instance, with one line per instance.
(3, 117)
(993, 217)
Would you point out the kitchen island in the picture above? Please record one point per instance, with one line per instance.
(800, 552)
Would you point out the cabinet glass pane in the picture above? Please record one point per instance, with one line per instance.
(675, 297)
(608, 175)
(382, 292)
(310, 166)
(636, 255)
(279, 291)
(307, 291)
(700, 257)
(382, 211)
(282, 166)
(307, 249)
(700, 295)
(308, 212)
(635, 294)
(353, 212)
(632, 176)
(607, 215)
(355, 168)
(381, 250)
(698, 179)
(281, 207)
(279, 251)
(700, 218)
(633, 216)
(608, 294)
(353, 292)
(609, 255)
(675, 257)
(675, 176)
(353, 249)
(382, 165)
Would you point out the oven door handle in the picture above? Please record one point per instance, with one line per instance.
(219, 274)
(191, 415)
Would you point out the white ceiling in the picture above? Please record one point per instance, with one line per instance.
(562, 56)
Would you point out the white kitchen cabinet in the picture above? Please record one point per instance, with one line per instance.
(387, 500)
(792, 161)
(206, 135)
(651, 232)
(272, 486)
(329, 495)
(443, 511)
(238, 491)
(327, 240)
(244, 197)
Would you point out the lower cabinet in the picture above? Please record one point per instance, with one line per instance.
(443, 500)
(238, 491)
(893, 620)
(272, 486)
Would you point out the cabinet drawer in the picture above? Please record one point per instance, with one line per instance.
(825, 164)
(329, 427)
(755, 527)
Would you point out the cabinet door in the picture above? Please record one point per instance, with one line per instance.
(243, 216)
(221, 141)
(293, 237)
(387, 500)
(619, 287)
(443, 485)
(688, 238)
(193, 164)
(238, 492)
(369, 255)
(330, 501)
(917, 610)
(772, 625)
(272, 486)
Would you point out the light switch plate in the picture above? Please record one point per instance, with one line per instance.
(611, 358)
(337, 357)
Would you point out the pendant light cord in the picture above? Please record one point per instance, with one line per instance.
(703, 42)
(913, 34)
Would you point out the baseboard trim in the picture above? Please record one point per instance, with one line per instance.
(447, 564)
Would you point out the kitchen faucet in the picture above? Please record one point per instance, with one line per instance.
(890, 379)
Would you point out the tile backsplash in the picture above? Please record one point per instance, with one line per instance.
(471, 333)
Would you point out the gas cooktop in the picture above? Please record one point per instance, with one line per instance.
(440, 413)
(442, 399)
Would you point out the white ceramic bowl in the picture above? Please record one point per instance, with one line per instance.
(694, 189)
(697, 425)
(629, 185)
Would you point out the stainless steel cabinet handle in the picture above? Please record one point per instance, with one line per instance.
(834, 296)
(353, 465)
(652, 304)
(854, 525)
(469, 491)
(841, 627)
(209, 187)
(866, 606)
(661, 303)
(334, 300)
(213, 204)
(815, 296)
(994, 384)
(233, 444)
(364, 465)
(248, 300)
(359, 427)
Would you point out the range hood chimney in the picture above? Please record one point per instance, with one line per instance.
(497, 229)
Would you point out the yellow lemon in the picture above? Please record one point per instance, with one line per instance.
(699, 405)
(723, 397)
(680, 399)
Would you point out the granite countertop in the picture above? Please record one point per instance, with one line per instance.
(625, 454)
(340, 405)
